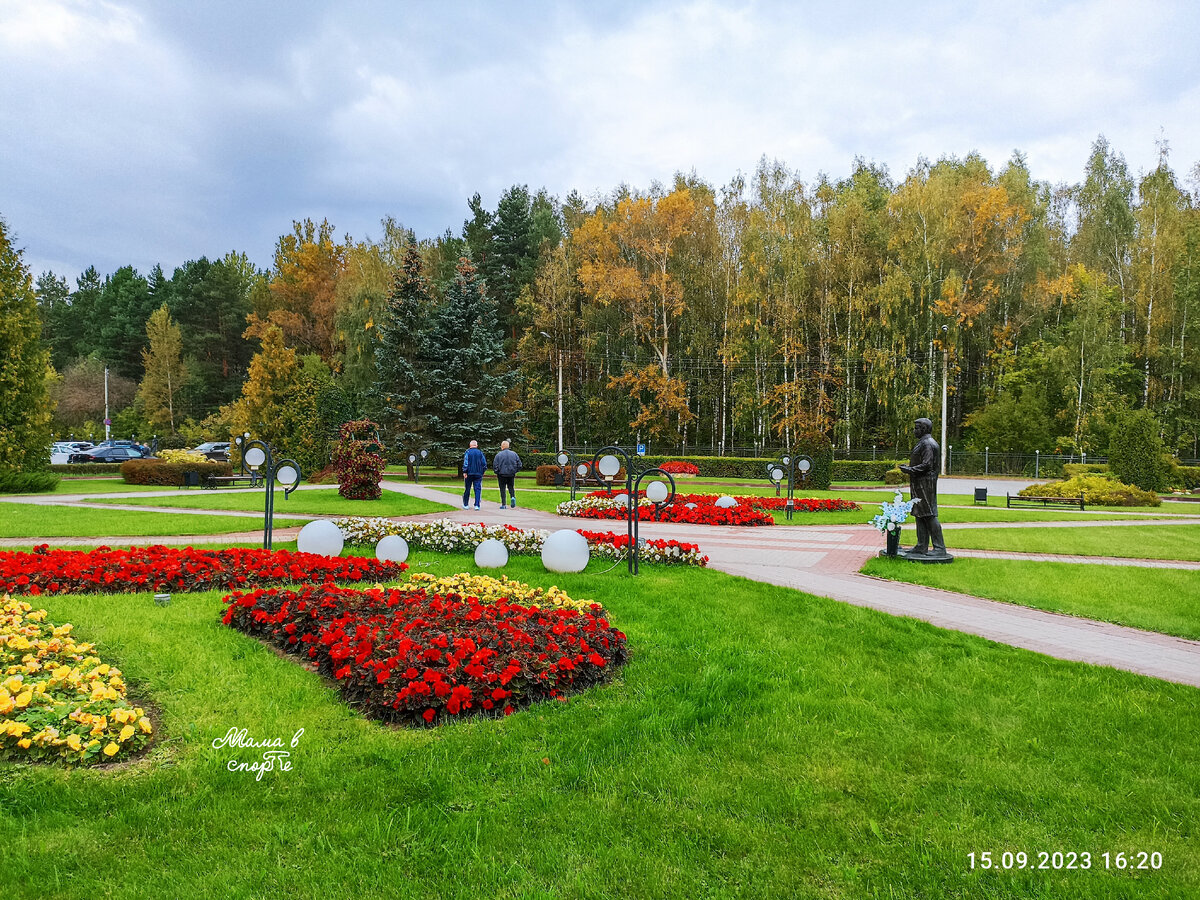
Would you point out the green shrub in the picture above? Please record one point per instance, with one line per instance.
(1135, 454)
(1097, 490)
(1070, 470)
(152, 471)
(27, 482)
(894, 476)
(86, 469)
(1184, 478)
(863, 469)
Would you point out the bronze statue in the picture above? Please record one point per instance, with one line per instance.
(922, 471)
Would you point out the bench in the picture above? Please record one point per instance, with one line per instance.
(1046, 502)
(212, 482)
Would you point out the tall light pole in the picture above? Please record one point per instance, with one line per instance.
(945, 382)
(107, 420)
(560, 402)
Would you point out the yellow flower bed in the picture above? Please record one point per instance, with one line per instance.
(490, 590)
(57, 699)
(183, 456)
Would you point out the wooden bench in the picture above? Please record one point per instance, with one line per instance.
(1018, 501)
(212, 482)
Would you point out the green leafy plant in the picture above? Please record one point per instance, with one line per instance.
(359, 459)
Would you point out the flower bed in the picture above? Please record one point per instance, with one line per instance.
(700, 509)
(107, 571)
(57, 699)
(679, 467)
(493, 590)
(419, 658)
(448, 536)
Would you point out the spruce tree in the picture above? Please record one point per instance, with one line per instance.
(468, 373)
(24, 364)
(401, 392)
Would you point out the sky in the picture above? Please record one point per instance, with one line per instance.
(136, 133)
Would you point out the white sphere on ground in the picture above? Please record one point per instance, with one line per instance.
(491, 554)
(725, 502)
(391, 548)
(321, 537)
(565, 551)
(690, 505)
(621, 499)
(656, 491)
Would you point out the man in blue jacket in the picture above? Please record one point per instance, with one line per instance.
(474, 465)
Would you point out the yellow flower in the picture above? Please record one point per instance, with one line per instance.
(75, 743)
(126, 734)
(24, 743)
(24, 697)
(6, 702)
(111, 749)
(144, 724)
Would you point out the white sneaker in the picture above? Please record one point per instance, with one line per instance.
(502, 506)
(477, 509)
(466, 506)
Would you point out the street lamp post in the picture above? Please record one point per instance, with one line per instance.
(945, 386)
(257, 456)
(415, 459)
(567, 460)
(608, 465)
(788, 466)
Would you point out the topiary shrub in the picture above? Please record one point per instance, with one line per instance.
(27, 482)
(547, 474)
(1135, 453)
(168, 474)
(1097, 490)
(894, 476)
(359, 459)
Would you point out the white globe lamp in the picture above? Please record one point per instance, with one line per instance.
(565, 551)
(491, 554)
(321, 537)
(391, 548)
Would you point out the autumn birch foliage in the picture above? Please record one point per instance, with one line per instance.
(166, 370)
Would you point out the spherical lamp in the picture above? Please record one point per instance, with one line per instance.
(492, 554)
(321, 537)
(656, 491)
(391, 548)
(565, 551)
(621, 499)
(725, 502)
(609, 466)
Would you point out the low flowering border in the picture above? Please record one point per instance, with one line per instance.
(416, 657)
(448, 536)
(58, 700)
(699, 509)
(107, 571)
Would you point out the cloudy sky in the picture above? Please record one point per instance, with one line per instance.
(140, 132)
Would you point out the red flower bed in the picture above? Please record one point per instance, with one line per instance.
(405, 656)
(660, 550)
(804, 504)
(678, 467)
(107, 571)
(748, 511)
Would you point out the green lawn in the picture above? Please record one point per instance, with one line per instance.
(761, 743)
(27, 520)
(324, 502)
(1132, 541)
(1164, 600)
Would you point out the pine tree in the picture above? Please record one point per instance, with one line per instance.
(24, 364)
(468, 375)
(401, 391)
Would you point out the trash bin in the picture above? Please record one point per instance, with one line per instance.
(191, 479)
(981, 495)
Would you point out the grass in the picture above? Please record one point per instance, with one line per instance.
(761, 743)
(1163, 600)
(324, 502)
(28, 520)
(1124, 541)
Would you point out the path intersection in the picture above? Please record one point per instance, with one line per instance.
(824, 561)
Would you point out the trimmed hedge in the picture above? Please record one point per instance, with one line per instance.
(86, 469)
(27, 482)
(1184, 477)
(1072, 469)
(149, 471)
(864, 469)
(894, 476)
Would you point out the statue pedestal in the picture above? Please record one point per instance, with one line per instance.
(933, 556)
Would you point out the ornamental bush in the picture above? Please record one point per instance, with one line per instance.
(1097, 490)
(1135, 453)
(418, 657)
(27, 482)
(360, 461)
(169, 474)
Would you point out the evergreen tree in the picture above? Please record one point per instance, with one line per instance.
(401, 391)
(469, 376)
(54, 307)
(125, 305)
(24, 364)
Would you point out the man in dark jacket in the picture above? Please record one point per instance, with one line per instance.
(474, 465)
(506, 465)
(922, 471)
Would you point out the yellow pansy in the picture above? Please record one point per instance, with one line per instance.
(23, 698)
(111, 749)
(144, 724)
(75, 743)
(126, 733)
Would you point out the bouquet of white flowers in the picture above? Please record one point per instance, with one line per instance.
(894, 514)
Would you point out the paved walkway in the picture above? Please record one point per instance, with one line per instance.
(825, 562)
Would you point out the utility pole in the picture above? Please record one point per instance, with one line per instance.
(107, 420)
(561, 447)
(945, 384)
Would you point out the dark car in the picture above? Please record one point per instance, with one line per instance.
(106, 455)
(217, 451)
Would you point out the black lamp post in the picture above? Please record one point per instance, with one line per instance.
(789, 466)
(657, 493)
(257, 455)
(566, 459)
(415, 459)
(241, 441)
(607, 465)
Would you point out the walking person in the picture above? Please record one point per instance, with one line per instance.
(506, 465)
(474, 465)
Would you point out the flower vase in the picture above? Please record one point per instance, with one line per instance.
(893, 541)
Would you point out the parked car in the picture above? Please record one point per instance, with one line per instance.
(60, 451)
(217, 451)
(107, 455)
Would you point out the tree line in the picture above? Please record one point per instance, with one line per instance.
(693, 317)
